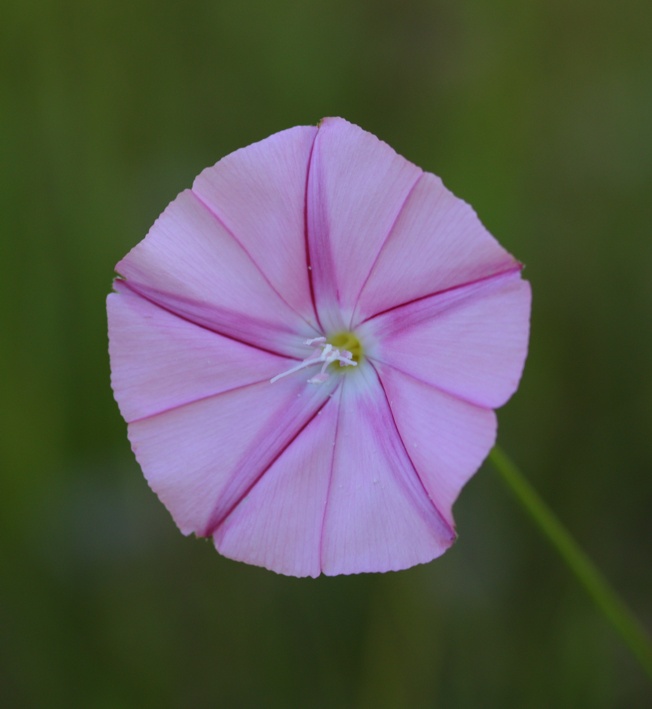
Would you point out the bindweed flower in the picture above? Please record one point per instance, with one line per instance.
(308, 348)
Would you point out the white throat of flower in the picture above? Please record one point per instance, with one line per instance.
(325, 354)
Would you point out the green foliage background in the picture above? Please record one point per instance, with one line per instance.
(539, 113)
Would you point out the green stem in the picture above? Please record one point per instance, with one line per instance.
(587, 574)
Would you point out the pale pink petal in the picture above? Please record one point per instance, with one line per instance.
(357, 186)
(278, 524)
(160, 361)
(437, 242)
(446, 438)
(378, 515)
(202, 458)
(258, 194)
(470, 341)
(191, 265)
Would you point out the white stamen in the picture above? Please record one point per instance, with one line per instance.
(326, 354)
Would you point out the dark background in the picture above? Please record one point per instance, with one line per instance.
(539, 113)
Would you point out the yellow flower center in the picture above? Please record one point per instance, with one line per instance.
(348, 342)
(339, 352)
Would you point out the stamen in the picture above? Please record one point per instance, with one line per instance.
(324, 353)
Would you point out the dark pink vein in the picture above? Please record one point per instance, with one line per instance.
(222, 223)
(219, 516)
(382, 246)
(148, 297)
(484, 279)
(306, 234)
(438, 387)
(330, 480)
(412, 465)
(197, 400)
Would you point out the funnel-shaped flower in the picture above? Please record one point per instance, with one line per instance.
(308, 347)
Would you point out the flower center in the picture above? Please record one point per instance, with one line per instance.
(348, 342)
(343, 349)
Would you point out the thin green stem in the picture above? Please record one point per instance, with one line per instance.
(607, 600)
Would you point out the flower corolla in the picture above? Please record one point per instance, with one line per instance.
(308, 348)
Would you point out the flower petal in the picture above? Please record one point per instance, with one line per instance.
(160, 361)
(446, 438)
(202, 458)
(278, 524)
(191, 265)
(258, 194)
(357, 186)
(378, 516)
(470, 341)
(437, 243)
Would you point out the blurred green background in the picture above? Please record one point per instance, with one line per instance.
(540, 115)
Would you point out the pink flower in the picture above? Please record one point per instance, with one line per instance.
(308, 347)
